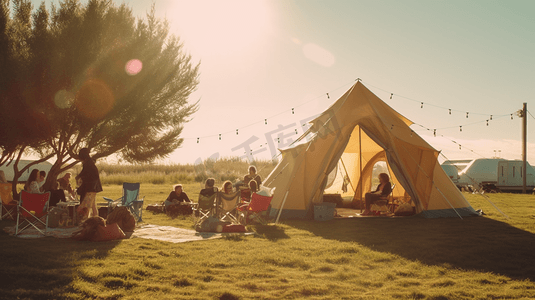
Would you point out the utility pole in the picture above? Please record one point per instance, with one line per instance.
(524, 144)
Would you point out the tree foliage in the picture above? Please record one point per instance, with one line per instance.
(91, 75)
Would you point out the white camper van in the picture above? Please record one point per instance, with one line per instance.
(481, 171)
(510, 176)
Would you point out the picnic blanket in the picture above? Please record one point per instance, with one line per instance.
(32, 233)
(177, 235)
(145, 231)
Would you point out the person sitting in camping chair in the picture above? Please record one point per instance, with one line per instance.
(383, 190)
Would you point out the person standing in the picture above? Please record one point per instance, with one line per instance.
(89, 187)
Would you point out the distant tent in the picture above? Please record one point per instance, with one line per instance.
(359, 130)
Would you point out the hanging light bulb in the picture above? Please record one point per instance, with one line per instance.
(220, 136)
(467, 115)
(460, 128)
(422, 105)
(391, 94)
(450, 111)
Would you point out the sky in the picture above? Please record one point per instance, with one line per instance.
(268, 67)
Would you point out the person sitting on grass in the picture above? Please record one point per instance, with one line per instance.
(174, 202)
(383, 189)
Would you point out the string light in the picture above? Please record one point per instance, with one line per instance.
(491, 117)
(434, 132)
(460, 128)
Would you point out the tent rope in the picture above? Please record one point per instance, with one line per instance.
(480, 193)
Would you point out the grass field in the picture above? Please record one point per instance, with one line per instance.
(488, 257)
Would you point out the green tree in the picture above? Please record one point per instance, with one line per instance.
(92, 75)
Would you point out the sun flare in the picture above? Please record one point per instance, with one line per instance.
(222, 27)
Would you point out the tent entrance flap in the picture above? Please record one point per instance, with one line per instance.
(360, 163)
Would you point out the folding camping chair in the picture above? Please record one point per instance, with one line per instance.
(130, 199)
(205, 208)
(8, 208)
(227, 205)
(255, 208)
(384, 204)
(31, 210)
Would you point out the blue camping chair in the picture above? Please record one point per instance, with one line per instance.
(130, 199)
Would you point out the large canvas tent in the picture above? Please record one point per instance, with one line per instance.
(359, 130)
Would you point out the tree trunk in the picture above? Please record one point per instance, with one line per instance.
(52, 177)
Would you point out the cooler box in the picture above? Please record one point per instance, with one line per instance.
(324, 211)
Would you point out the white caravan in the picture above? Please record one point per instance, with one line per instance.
(510, 176)
(481, 171)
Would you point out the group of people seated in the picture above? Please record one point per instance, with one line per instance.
(177, 201)
(36, 180)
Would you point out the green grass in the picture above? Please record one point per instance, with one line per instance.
(488, 257)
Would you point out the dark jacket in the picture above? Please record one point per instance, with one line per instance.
(90, 178)
(173, 196)
(387, 189)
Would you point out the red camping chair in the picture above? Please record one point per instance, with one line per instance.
(31, 211)
(256, 207)
(8, 208)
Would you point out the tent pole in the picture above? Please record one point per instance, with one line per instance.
(360, 167)
(282, 205)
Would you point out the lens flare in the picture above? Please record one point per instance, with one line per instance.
(133, 67)
(94, 99)
(63, 99)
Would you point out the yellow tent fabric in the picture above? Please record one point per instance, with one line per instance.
(361, 129)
